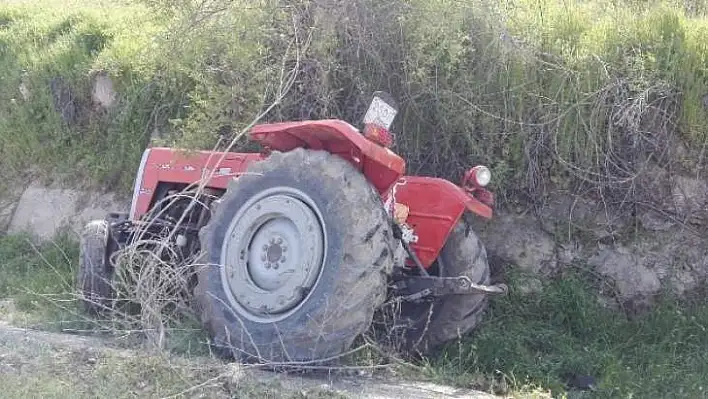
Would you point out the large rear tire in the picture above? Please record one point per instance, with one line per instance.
(95, 272)
(294, 260)
(435, 323)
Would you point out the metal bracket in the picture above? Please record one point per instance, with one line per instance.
(418, 287)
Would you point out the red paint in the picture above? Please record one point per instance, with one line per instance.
(175, 166)
(378, 135)
(380, 165)
(435, 207)
(435, 204)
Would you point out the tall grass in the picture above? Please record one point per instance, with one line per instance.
(569, 94)
(583, 95)
(37, 279)
(45, 44)
(548, 339)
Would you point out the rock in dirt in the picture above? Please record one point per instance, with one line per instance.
(519, 240)
(573, 217)
(43, 212)
(634, 281)
(690, 197)
(103, 93)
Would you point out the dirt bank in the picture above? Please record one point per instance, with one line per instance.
(37, 363)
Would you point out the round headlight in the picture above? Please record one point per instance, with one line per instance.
(482, 175)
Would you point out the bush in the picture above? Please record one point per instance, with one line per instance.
(577, 95)
(549, 338)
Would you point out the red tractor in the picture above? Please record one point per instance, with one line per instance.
(299, 245)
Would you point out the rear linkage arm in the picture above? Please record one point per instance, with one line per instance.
(413, 288)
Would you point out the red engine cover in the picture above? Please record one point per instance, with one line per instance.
(175, 166)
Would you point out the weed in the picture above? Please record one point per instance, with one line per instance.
(527, 343)
(30, 271)
(581, 95)
(545, 339)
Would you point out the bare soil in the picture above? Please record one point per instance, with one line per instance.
(39, 363)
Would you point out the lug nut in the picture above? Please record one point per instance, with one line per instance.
(283, 259)
(275, 266)
(263, 257)
(279, 241)
(285, 249)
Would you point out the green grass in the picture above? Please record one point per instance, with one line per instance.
(162, 85)
(543, 91)
(45, 42)
(547, 91)
(541, 340)
(34, 275)
(525, 341)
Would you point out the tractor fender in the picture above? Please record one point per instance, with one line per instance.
(381, 166)
(434, 207)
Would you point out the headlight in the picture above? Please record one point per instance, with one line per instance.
(482, 175)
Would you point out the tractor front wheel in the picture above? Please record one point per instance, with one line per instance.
(295, 260)
(447, 318)
(95, 271)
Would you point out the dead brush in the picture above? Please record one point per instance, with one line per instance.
(154, 274)
(153, 278)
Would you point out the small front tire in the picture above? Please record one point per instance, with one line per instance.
(448, 318)
(95, 272)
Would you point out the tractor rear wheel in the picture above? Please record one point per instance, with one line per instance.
(447, 318)
(95, 271)
(294, 260)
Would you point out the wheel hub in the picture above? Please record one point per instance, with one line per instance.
(273, 254)
(267, 253)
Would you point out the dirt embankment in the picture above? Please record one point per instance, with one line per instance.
(638, 255)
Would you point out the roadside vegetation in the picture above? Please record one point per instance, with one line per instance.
(587, 96)
(527, 345)
(575, 95)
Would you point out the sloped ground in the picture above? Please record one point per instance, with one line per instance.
(526, 342)
(43, 364)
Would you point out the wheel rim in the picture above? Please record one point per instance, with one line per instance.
(273, 254)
